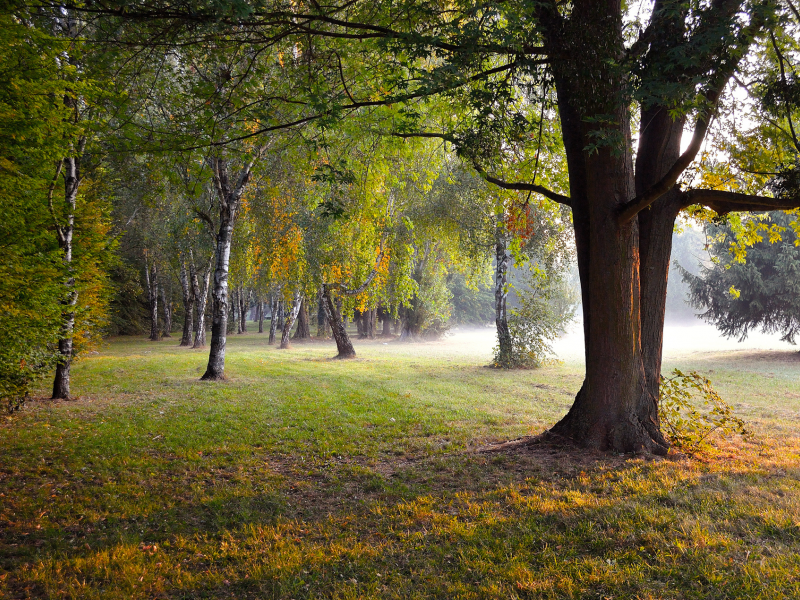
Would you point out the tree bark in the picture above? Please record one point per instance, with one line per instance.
(273, 318)
(229, 198)
(387, 326)
(151, 279)
(303, 331)
(322, 319)
(260, 316)
(607, 412)
(201, 300)
(281, 314)
(244, 300)
(234, 324)
(505, 350)
(358, 319)
(65, 233)
(166, 300)
(290, 319)
(339, 331)
(188, 304)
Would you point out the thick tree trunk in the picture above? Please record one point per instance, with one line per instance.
(166, 300)
(303, 331)
(290, 319)
(188, 305)
(505, 350)
(339, 331)
(608, 410)
(387, 326)
(61, 381)
(229, 199)
(151, 278)
(371, 318)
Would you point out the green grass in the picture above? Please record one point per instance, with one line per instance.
(305, 477)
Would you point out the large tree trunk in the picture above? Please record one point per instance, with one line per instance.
(303, 331)
(608, 412)
(371, 317)
(290, 319)
(504, 357)
(274, 307)
(343, 343)
(229, 199)
(151, 279)
(166, 300)
(61, 381)
(188, 304)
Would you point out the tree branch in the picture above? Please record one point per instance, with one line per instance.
(723, 202)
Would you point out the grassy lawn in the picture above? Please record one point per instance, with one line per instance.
(305, 477)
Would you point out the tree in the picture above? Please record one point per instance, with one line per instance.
(608, 75)
(762, 291)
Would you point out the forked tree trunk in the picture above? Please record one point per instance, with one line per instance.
(229, 198)
(166, 300)
(339, 331)
(505, 350)
(188, 304)
(290, 319)
(608, 412)
(151, 279)
(303, 331)
(65, 232)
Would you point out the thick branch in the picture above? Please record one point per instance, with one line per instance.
(723, 202)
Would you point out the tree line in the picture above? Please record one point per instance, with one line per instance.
(346, 152)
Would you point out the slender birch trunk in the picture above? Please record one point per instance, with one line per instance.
(274, 305)
(505, 350)
(260, 316)
(188, 304)
(229, 198)
(151, 279)
(166, 300)
(343, 343)
(244, 300)
(201, 300)
(297, 302)
(65, 232)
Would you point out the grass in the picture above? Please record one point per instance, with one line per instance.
(305, 477)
